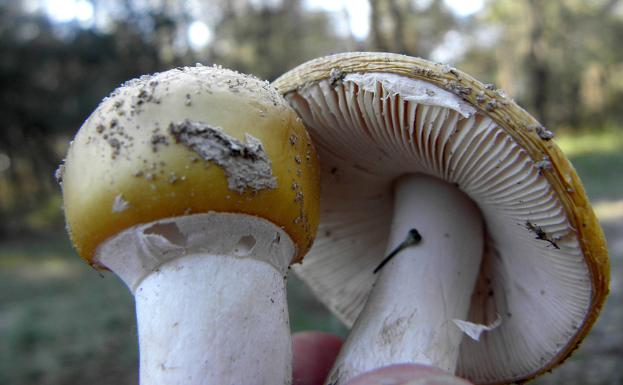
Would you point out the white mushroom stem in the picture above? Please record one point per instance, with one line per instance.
(408, 316)
(212, 319)
(210, 299)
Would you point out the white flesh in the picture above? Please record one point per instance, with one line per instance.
(210, 298)
(408, 316)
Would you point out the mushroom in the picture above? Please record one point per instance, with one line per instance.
(446, 211)
(198, 187)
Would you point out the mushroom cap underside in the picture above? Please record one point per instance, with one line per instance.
(375, 117)
(186, 141)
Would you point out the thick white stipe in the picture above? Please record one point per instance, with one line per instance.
(408, 316)
(210, 299)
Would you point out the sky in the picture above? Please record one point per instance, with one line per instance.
(359, 11)
(355, 15)
(69, 10)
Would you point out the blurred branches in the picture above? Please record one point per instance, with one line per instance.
(268, 40)
(49, 82)
(562, 60)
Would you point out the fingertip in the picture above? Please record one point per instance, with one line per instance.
(407, 374)
(313, 356)
(318, 339)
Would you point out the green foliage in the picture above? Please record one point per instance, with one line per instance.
(268, 41)
(47, 215)
(604, 141)
(51, 78)
(62, 322)
(560, 59)
(597, 156)
(57, 315)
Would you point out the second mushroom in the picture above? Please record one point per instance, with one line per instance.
(511, 268)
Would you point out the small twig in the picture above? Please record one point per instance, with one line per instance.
(413, 238)
(541, 234)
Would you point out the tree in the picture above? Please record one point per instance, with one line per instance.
(402, 27)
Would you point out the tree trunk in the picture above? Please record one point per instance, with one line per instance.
(378, 40)
(536, 65)
(398, 21)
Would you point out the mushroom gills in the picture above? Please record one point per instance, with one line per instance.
(368, 134)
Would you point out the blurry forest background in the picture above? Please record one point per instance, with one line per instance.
(60, 323)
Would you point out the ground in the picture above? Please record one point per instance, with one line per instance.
(62, 322)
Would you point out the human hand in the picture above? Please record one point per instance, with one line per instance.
(314, 353)
(407, 374)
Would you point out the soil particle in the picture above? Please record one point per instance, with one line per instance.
(445, 68)
(173, 178)
(146, 92)
(299, 197)
(544, 164)
(336, 77)
(542, 132)
(157, 140)
(246, 165)
(60, 171)
(293, 139)
(425, 73)
(116, 146)
(480, 97)
(491, 105)
(461, 90)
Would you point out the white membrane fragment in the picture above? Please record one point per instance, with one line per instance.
(120, 204)
(474, 330)
(413, 90)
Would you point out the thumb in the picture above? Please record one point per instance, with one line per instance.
(407, 374)
(314, 353)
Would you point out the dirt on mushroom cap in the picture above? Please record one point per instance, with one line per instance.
(126, 149)
(246, 164)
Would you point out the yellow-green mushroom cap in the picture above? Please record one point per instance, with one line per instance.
(188, 141)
